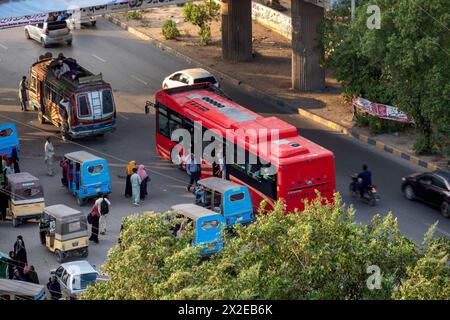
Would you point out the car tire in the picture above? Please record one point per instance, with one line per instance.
(409, 193)
(69, 43)
(93, 23)
(41, 118)
(445, 209)
(27, 34)
(59, 256)
(43, 44)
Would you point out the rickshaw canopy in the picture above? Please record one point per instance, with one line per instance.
(218, 184)
(63, 213)
(69, 223)
(23, 289)
(24, 186)
(193, 211)
(82, 156)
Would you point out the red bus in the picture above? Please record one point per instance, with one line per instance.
(299, 167)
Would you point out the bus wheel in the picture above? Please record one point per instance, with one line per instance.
(59, 256)
(41, 118)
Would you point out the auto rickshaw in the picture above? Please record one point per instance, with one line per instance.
(26, 198)
(230, 199)
(64, 231)
(87, 176)
(21, 290)
(207, 227)
(9, 139)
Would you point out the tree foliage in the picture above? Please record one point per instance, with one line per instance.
(201, 15)
(404, 63)
(318, 254)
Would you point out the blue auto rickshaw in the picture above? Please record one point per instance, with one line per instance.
(230, 199)
(87, 176)
(9, 139)
(208, 227)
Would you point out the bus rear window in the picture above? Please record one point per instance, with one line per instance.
(108, 104)
(83, 106)
(206, 79)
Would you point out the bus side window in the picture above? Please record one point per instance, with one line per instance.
(163, 122)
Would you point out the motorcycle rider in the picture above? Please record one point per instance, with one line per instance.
(366, 180)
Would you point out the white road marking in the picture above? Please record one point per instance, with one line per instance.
(98, 58)
(139, 80)
(3, 46)
(121, 115)
(438, 230)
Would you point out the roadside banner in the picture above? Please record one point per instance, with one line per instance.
(381, 110)
(16, 13)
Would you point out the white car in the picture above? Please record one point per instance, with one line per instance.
(189, 77)
(48, 33)
(74, 277)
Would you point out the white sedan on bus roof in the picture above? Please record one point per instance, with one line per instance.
(188, 77)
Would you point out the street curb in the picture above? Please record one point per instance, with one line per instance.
(278, 102)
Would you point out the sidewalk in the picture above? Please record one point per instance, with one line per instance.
(270, 74)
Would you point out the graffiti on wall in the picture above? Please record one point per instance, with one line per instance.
(272, 19)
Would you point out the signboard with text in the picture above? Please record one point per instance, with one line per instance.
(381, 110)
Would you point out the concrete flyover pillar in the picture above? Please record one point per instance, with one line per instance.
(307, 75)
(236, 30)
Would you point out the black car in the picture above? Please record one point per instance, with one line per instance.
(430, 187)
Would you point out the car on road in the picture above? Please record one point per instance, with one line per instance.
(74, 277)
(48, 33)
(432, 188)
(189, 77)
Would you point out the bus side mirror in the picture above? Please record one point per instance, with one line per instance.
(148, 104)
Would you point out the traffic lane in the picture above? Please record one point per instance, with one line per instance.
(414, 218)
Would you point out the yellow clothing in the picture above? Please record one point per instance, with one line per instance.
(130, 167)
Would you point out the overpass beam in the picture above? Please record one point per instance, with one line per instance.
(307, 75)
(236, 30)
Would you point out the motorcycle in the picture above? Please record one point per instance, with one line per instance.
(369, 195)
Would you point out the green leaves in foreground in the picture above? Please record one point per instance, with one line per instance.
(317, 254)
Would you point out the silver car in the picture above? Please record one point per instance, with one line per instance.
(48, 33)
(74, 277)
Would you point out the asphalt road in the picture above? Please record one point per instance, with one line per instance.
(135, 69)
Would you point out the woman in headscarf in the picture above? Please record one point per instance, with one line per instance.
(20, 254)
(144, 178)
(129, 172)
(15, 160)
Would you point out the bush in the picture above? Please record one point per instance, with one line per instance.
(202, 15)
(379, 126)
(135, 15)
(170, 30)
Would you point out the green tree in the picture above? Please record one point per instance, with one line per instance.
(318, 254)
(201, 15)
(404, 63)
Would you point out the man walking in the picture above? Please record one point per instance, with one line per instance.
(23, 94)
(103, 204)
(193, 170)
(49, 154)
(136, 187)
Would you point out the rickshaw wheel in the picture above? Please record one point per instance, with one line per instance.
(59, 256)
(85, 252)
(80, 201)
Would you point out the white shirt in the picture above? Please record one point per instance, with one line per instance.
(99, 201)
(49, 150)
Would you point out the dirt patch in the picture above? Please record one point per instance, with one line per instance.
(269, 71)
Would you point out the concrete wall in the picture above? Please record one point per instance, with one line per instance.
(272, 19)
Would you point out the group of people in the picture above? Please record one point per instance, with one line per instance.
(136, 182)
(18, 267)
(97, 217)
(57, 16)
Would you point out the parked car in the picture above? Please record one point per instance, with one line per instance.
(48, 33)
(82, 19)
(74, 277)
(189, 77)
(432, 188)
